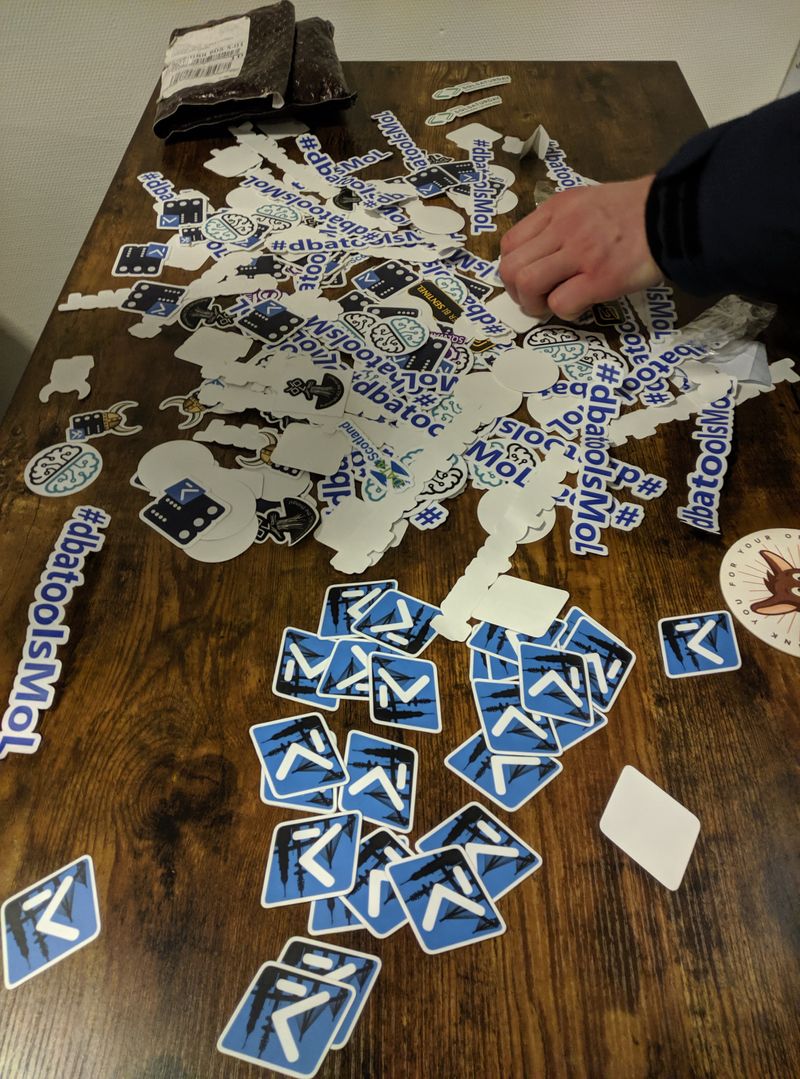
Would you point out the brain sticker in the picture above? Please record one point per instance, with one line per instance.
(63, 469)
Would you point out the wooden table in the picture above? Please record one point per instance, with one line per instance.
(146, 763)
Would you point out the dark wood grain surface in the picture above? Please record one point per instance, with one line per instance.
(146, 763)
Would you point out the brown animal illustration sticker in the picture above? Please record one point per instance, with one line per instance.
(760, 580)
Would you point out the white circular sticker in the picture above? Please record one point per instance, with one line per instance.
(760, 582)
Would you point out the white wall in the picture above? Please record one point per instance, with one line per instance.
(75, 76)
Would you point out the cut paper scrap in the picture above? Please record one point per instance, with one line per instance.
(651, 827)
(69, 375)
(247, 437)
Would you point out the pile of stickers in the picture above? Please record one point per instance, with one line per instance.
(535, 698)
(372, 362)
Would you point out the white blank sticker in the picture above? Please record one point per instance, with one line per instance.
(651, 827)
(524, 606)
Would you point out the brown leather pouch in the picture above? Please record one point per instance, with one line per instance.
(254, 66)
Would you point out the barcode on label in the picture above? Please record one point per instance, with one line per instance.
(205, 56)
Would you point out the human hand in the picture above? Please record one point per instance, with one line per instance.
(581, 247)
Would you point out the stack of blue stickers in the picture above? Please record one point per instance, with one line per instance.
(300, 1007)
(535, 698)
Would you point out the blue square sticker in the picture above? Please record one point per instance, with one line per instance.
(302, 665)
(382, 780)
(185, 491)
(298, 755)
(509, 779)
(48, 921)
(500, 858)
(347, 675)
(345, 604)
(287, 1020)
(399, 621)
(445, 901)
(359, 970)
(555, 683)
(507, 728)
(404, 692)
(310, 802)
(372, 897)
(608, 661)
(311, 858)
(699, 644)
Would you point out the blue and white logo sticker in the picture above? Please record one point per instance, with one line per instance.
(345, 604)
(404, 692)
(509, 779)
(358, 970)
(400, 621)
(500, 858)
(506, 727)
(699, 644)
(569, 734)
(347, 675)
(505, 643)
(446, 904)
(382, 780)
(311, 859)
(608, 661)
(287, 1020)
(309, 802)
(555, 683)
(48, 921)
(302, 665)
(298, 755)
(372, 898)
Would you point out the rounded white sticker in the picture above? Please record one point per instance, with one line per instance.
(760, 582)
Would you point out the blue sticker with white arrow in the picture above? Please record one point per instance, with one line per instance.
(608, 661)
(445, 901)
(309, 802)
(48, 921)
(383, 780)
(331, 916)
(359, 970)
(302, 665)
(347, 603)
(311, 858)
(509, 779)
(298, 754)
(404, 692)
(503, 670)
(506, 727)
(555, 683)
(400, 621)
(699, 644)
(347, 676)
(287, 1020)
(372, 897)
(500, 858)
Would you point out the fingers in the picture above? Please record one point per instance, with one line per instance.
(511, 266)
(572, 297)
(525, 230)
(537, 280)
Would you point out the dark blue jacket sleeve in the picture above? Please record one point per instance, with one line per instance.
(724, 214)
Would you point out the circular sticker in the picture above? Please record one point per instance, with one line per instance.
(63, 469)
(760, 582)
